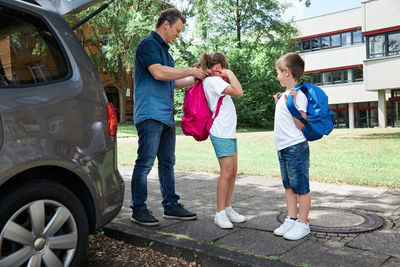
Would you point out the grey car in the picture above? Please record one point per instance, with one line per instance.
(59, 178)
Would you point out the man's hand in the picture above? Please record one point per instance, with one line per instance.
(200, 74)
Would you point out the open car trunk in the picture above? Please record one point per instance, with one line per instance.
(65, 6)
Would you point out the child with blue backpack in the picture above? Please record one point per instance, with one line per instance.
(223, 132)
(293, 149)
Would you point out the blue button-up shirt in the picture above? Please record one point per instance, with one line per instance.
(153, 99)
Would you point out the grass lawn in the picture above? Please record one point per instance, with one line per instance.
(368, 157)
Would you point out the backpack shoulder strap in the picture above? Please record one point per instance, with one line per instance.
(218, 106)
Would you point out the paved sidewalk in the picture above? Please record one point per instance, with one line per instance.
(253, 243)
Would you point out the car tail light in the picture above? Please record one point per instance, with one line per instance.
(112, 122)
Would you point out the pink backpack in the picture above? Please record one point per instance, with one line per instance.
(197, 118)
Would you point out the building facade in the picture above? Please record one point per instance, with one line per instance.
(354, 56)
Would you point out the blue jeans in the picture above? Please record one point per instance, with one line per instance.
(295, 163)
(155, 139)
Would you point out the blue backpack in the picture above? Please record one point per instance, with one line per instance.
(320, 120)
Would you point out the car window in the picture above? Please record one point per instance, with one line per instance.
(29, 52)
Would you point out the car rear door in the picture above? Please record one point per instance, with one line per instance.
(64, 7)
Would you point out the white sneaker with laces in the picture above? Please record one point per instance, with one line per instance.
(285, 227)
(222, 220)
(234, 216)
(298, 231)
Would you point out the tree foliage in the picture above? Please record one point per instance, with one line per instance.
(114, 35)
(252, 36)
(250, 33)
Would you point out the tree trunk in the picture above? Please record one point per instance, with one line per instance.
(238, 26)
(122, 99)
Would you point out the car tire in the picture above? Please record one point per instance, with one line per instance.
(42, 224)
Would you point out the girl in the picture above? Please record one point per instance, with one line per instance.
(223, 132)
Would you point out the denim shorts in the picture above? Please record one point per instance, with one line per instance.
(295, 163)
(224, 147)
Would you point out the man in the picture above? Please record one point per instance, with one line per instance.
(155, 80)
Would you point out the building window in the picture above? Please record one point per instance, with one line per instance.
(393, 110)
(331, 41)
(346, 38)
(366, 114)
(335, 40)
(345, 76)
(357, 36)
(381, 45)
(315, 42)
(306, 45)
(394, 44)
(376, 46)
(341, 116)
(337, 76)
(395, 93)
(326, 77)
(325, 42)
(316, 78)
(104, 43)
(358, 75)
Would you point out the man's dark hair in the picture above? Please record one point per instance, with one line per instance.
(171, 15)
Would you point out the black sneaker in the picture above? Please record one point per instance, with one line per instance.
(179, 213)
(144, 217)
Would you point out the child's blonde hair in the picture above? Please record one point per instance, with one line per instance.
(208, 60)
(293, 62)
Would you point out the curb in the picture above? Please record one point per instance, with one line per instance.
(207, 255)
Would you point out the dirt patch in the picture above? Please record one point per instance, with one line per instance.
(107, 252)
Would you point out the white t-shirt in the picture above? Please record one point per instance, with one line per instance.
(285, 131)
(224, 125)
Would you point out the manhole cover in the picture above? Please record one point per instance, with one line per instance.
(333, 220)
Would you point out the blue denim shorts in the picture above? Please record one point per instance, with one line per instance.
(295, 163)
(224, 147)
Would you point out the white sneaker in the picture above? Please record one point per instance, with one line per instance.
(285, 227)
(234, 216)
(298, 231)
(222, 220)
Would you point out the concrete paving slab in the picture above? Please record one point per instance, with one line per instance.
(385, 203)
(264, 201)
(262, 220)
(392, 262)
(259, 180)
(258, 242)
(201, 176)
(385, 241)
(202, 229)
(326, 199)
(323, 188)
(354, 190)
(331, 253)
(200, 184)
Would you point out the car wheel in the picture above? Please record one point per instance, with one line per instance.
(42, 224)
